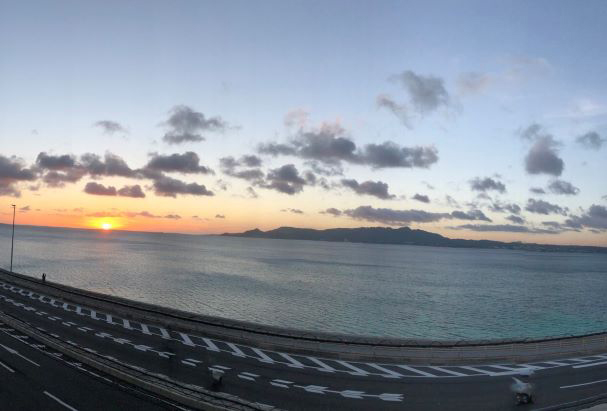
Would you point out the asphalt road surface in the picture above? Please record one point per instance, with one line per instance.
(283, 380)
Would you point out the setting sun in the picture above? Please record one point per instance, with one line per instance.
(106, 226)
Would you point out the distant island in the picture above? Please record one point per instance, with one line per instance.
(403, 235)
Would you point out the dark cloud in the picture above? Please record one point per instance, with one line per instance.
(377, 189)
(110, 127)
(505, 207)
(544, 207)
(145, 214)
(13, 171)
(220, 216)
(389, 154)
(537, 190)
(516, 219)
(292, 210)
(188, 162)
(285, 179)
(543, 157)
(403, 217)
(451, 201)
(421, 197)
(60, 163)
(111, 165)
(169, 187)
(503, 228)
(332, 211)
(25, 209)
(563, 187)
(134, 191)
(470, 215)
(486, 184)
(594, 218)
(426, 93)
(245, 168)
(99, 189)
(330, 145)
(322, 169)
(59, 178)
(393, 217)
(591, 140)
(186, 125)
(532, 132)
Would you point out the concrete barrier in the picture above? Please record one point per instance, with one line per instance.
(320, 344)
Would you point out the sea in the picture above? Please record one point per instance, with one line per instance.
(358, 289)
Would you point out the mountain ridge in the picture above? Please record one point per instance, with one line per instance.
(402, 236)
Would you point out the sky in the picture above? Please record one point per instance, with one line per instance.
(471, 119)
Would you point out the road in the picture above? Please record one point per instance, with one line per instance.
(283, 380)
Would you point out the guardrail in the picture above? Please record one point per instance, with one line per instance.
(325, 344)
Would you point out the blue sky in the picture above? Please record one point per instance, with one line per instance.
(67, 65)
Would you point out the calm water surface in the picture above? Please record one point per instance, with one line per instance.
(382, 290)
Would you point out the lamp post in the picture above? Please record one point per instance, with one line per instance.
(13, 237)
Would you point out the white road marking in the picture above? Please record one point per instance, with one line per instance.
(237, 351)
(424, 373)
(186, 339)
(15, 352)
(293, 363)
(210, 345)
(387, 373)
(355, 369)
(448, 371)
(6, 366)
(590, 365)
(69, 407)
(581, 385)
(263, 356)
(323, 367)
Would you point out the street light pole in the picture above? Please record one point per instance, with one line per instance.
(13, 237)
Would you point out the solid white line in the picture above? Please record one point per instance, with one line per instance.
(586, 383)
(590, 365)
(60, 402)
(6, 366)
(15, 352)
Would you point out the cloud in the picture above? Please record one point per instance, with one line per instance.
(403, 217)
(134, 191)
(452, 202)
(332, 211)
(292, 210)
(50, 162)
(252, 193)
(537, 190)
(531, 132)
(543, 158)
(220, 216)
(426, 93)
(25, 209)
(563, 187)
(421, 197)
(246, 167)
(377, 189)
(594, 218)
(470, 215)
(169, 187)
(591, 140)
(330, 145)
(516, 219)
(473, 83)
(185, 163)
(297, 118)
(503, 228)
(505, 207)
(544, 207)
(186, 125)
(13, 171)
(111, 165)
(486, 184)
(285, 179)
(99, 189)
(110, 127)
(399, 110)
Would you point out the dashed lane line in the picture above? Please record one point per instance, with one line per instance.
(69, 407)
(583, 384)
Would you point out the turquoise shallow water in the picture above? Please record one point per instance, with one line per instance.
(381, 290)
